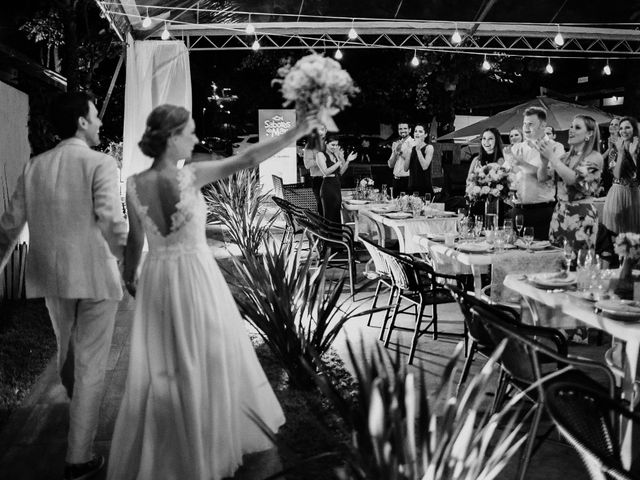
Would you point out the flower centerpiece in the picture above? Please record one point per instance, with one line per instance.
(364, 187)
(316, 83)
(488, 184)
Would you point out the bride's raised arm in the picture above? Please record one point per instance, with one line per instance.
(210, 171)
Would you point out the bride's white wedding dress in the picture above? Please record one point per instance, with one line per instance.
(193, 373)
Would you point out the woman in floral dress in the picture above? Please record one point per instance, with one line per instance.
(578, 173)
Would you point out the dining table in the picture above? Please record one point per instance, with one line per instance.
(588, 312)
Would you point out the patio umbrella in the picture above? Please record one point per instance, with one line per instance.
(559, 116)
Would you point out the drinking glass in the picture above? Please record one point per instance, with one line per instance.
(462, 212)
(499, 239)
(384, 193)
(492, 221)
(519, 223)
(527, 237)
(509, 232)
(427, 198)
(477, 225)
(567, 249)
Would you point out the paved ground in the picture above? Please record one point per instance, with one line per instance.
(33, 443)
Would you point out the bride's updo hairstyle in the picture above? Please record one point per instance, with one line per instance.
(162, 122)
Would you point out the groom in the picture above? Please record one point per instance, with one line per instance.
(69, 198)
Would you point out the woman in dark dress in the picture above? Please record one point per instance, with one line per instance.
(332, 164)
(490, 152)
(419, 166)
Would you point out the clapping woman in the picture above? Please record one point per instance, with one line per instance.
(578, 172)
(610, 153)
(332, 164)
(490, 152)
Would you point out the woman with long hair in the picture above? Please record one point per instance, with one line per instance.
(490, 152)
(610, 153)
(515, 136)
(419, 165)
(578, 173)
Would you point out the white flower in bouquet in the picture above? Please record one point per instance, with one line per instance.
(628, 245)
(366, 182)
(319, 83)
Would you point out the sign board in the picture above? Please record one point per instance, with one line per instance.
(583, 79)
(273, 123)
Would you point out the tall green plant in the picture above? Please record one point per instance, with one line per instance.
(294, 308)
(397, 434)
(237, 203)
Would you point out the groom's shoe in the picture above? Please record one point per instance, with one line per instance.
(83, 471)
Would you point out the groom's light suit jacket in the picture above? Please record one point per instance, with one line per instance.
(69, 197)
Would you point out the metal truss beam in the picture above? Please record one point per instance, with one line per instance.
(512, 39)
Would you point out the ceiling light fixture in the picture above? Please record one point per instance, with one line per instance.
(146, 23)
(486, 65)
(414, 61)
(165, 33)
(549, 67)
(456, 38)
(607, 69)
(250, 29)
(255, 46)
(338, 54)
(559, 39)
(352, 32)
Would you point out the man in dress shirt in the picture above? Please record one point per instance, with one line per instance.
(70, 199)
(535, 200)
(399, 159)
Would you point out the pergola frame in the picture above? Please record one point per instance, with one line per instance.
(480, 38)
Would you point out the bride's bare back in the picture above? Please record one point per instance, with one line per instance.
(159, 192)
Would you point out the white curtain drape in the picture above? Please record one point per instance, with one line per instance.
(157, 72)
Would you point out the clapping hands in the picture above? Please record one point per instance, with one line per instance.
(633, 147)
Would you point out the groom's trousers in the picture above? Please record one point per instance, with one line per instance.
(83, 328)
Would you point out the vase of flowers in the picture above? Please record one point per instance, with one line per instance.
(627, 247)
(488, 185)
(316, 83)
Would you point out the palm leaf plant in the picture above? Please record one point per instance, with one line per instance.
(400, 433)
(295, 309)
(239, 205)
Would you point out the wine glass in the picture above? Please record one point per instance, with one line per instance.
(427, 198)
(527, 237)
(519, 223)
(477, 225)
(567, 249)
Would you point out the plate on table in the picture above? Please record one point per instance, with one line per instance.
(481, 247)
(553, 280)
(438, 237)
(626, 310)
(537, 245)
(398, 215)
(384, 210)
(357, 202)
(584, 295)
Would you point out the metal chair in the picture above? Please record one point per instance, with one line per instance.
(527, 348)
(587, 418)
(419, 284)
(383, 275)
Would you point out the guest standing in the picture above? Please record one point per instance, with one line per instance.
(70, 199)
(419, 165)
(515, 136)
(622, 205)
(490, 152)
(400, 153)
(610, 154)
(535, 200)
(311, 164)
(332, 164)
(575, 218)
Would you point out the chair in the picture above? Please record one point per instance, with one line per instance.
(278, 187)
(522, 361)
(333, 235)
(418, 283)
(383, 276)
(587, 419)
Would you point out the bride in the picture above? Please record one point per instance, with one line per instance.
(193, 374)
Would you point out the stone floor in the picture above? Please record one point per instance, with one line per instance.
(32, 445)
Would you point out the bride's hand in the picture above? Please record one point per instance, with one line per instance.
(309, 123)
(131, 286)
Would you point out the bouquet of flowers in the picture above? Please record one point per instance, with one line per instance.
(491, 180)
(628, 245)
(365, 183)
(316, 83)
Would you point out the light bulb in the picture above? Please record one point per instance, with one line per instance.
(165, 33)
(607, 69)
(353, 34)
(486, 65)
(338, 55)
(559, 39)
(146, 23)
(456, 38)
(414, 61)
(549, 67)
(250, 29)
(256, 45)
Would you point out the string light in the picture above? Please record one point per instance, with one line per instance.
(559, 39)
(414, 61)
(486, 65)
(456, 38)
(146, 23)
(549, 67)
(255, 46)
(338, 54)
(250, 29)
(352, 32)
(165, 33)
(607, 69)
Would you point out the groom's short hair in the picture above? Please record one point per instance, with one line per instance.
(67, 108)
